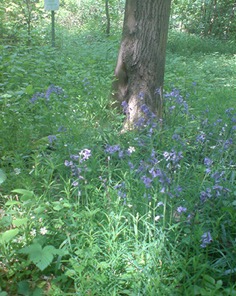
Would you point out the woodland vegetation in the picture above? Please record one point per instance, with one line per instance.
(88, 210)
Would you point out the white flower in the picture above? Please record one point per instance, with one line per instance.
(33, 232)
(43, 230)
(158, 217)
(17, 171)
(131, 149)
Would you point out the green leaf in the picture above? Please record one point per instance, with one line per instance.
(12, 203)
(29, 90)
(20, 222)
(38, 292)
(26, 194)
(9, 235)
(2, 176)
(6, 221)
(41, 257)
(23, 288)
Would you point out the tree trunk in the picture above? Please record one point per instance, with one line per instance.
(108, 18)
(140, 66)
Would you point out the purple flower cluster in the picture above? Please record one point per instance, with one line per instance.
(75, 161)
(173, 159)
(217, 189)
(52, 89)
(116, 149)
(148, 120)
(52, 139)
(176, 100)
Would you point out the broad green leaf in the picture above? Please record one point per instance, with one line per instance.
(2, 176)
(26, 194)
(38, 292)
(6, 221)
(23, 288)
(41, 257)
(46, 257)
(9, 235)
(20, 222)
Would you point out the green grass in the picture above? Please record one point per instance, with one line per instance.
(77, 225)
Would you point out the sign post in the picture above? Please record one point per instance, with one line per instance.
(52, 5)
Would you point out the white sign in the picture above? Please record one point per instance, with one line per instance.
(51, 4)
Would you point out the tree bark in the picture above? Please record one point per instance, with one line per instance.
(139, 73)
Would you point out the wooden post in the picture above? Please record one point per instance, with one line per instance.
(53, 27)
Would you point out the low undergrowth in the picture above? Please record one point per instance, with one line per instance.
(86, 210)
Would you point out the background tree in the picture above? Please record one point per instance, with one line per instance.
(140, 66)
(205, 17)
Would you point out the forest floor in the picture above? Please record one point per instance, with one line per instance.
(86, 210)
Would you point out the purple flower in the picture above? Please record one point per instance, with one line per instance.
(173, 158)
(206, 239)
(112, 149)
(125, 107)
(75, 183)
(37, 96)
(147, 181)
(207, 161)
(140, 122)
(181, 209)
(53, 89)
(121, 190)
(84, 154)
(204, 195)
(74, 157)
(51, 139)
(62, 129)
(68, 163)
(218, 176)
(228, 143)
(131, 165)
(201, 137)
(155, 172)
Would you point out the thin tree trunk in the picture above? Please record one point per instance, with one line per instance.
(140, 66)
(108, 18)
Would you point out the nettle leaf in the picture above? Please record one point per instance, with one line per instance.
(41, 257)
(8, 235)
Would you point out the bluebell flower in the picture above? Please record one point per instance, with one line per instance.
(53, 89)
(125, 107)
(204, 195)
(84, 155)
(206, 239)
(51, 139)
(112, 149)
(181, 209)
(37, 96)
(147, 181)
(207, 161)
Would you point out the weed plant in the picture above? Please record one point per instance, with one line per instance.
(86, 210)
